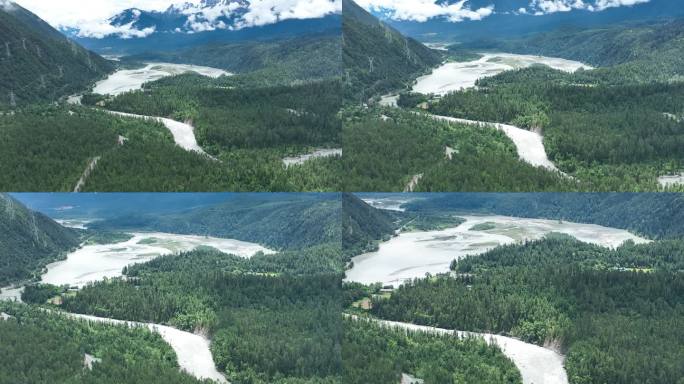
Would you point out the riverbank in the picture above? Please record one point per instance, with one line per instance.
(415, 254)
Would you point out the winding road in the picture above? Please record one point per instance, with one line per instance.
(537, 365)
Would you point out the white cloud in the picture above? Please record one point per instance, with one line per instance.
(74, 13)
(257, 13)
(90, 17)
(100, 30)
(423, 10)
(543, 7)
(603, 4)
(262, 12)
(201, 19)
(6, 5)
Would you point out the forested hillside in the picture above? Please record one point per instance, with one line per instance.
(64, 140)
(28, 241)
(433, 358)
(130, 355)
(134, 154)
(279, 117)
(385, 149)
(258, 312)
(654, 215)
(614, 313)
(378, 59)
(288, 223)
(363, 226)
(611, 137)
(611, 312)
(282, 104)
(248, 129)
(618, 127)
(269, 62)
(257, 321)
(37, 63)
(637, 51)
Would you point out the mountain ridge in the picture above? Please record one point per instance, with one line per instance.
(506, 22)
(363, 226)
(377, 58)
(30, 240)
(295, 223)
(38, 63)
(136, 31)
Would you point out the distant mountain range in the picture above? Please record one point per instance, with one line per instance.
(656, 215)
(270, 62)
(186, 25)
(636, 51)
(111, 205)
(278, 221)
(37, 63)
(506, 21)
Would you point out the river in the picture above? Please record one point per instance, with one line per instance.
(96, 262)
(11, 293)
(537, 365)
(453, 76)
(92, 263)
(127, 80)
(393, 203)
(413, 254)
(193, 352)
(75, 223)
(183, 133)
(528, 144)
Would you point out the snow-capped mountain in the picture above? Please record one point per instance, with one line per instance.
(206, 16)
(509, 18)
(184, 24)
(209, 15)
